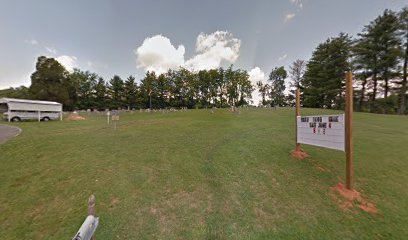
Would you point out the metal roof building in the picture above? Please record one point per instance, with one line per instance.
(10, 105)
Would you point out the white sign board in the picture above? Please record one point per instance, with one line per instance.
(324, 131)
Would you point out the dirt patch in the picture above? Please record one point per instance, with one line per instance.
(349, 199)
(75, 117)
(114, 201)
(299, 154)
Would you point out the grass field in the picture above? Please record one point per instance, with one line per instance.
(197, 175)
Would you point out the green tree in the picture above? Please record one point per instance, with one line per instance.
(377, 51)
(21, 92)
(116, 92)
(245, 87)
(50, 82)
(204, 80)
(101, 94)
(130, 91)
(403, 16)
(148, 89)
(390, 43)
(324, 75)
(363, 60)
(296, 74)
(263, 89)
(277, 78)
(83, 84)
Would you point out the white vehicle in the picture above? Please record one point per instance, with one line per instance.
(15, 110)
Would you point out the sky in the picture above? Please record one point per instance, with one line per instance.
(130, 37)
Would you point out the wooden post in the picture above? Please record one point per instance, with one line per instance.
(39, 116)
(297, 148)
(349, 130)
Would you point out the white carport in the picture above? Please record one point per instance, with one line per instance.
(14, 104)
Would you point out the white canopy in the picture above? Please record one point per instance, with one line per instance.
(31, 105)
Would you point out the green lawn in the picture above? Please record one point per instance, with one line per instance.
(197, 175)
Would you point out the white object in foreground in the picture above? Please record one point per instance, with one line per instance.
(87, 230)
(323, 131)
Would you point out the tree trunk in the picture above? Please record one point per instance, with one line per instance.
(375, 85)
(403, 98)
(374, 80)
(360, 103)
(386, 86)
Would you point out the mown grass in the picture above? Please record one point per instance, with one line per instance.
(197, 175)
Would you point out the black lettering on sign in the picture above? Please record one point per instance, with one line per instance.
(317, 119)
(322, 125)
(334, 119)
(312, 125)
(304, 119)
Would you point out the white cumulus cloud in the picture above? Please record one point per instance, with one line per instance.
(69, 62)
(255, 75)
(214, 48)
(158, 54)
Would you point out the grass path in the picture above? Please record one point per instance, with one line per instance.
(196, 175)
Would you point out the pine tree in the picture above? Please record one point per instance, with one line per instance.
(323, 79)
(130, 91)
(100, 94)
(403, 15)
(116, 90)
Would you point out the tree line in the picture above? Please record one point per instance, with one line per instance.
(378, 57)
(175, 88)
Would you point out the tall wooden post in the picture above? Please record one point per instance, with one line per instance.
(349, 130)
(297, 148)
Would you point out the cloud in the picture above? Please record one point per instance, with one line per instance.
(289, 17)
(214, 48)
(297, 3)
(37, 45)
(51, 50)
(158, 53)
(69, 62)
(284, 56)
(31, 41)
(256, 75)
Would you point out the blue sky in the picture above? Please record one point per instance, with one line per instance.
(130, 37)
